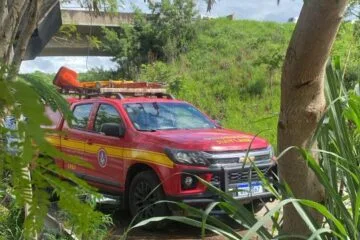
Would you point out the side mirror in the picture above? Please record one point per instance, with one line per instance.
(112, 129)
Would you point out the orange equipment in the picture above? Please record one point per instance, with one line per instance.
(66, 80)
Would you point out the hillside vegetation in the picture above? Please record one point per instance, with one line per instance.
(232, 71)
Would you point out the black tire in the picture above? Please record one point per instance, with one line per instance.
(141, 197)
(255, 206)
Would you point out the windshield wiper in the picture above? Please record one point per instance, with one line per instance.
(147, 130)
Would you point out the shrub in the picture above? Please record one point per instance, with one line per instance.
(161, 35)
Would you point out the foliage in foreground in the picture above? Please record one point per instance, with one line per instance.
(338, 171)
(29, 176)
(338, 139)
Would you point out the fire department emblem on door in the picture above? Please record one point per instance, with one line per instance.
(102, 158)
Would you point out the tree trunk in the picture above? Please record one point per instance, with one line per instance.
(18, 20)
(24, 36)
(303, 100)
(11, 13)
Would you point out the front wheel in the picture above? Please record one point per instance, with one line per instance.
(142, 197)
(255, 206)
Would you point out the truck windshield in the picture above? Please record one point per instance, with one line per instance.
(166, 116)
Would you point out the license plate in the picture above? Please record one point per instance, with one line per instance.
(246, 189)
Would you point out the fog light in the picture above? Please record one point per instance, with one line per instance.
(188, 181)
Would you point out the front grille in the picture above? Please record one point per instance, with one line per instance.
(215, 181)
(245, 175)
(234, 160)
(262, 157)
(231, 157)
(239, 176)
(224, 160)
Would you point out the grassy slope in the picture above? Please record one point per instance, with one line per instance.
(232, 71)
(224, 73)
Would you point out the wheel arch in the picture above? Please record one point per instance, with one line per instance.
(133, 170)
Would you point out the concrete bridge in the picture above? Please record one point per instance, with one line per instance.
(86, 23)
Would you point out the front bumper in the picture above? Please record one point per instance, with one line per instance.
(227, 179)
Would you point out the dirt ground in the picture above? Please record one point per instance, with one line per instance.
(173, 231)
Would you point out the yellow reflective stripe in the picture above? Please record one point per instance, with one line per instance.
(53, 140)
(132, 154)
(113, 151)
(152, 157)
(110, 150)
(73, 144)
(151, 161)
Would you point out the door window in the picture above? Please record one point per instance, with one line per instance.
(81, 116)
(106, 114)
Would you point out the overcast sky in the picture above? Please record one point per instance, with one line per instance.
(261, 10)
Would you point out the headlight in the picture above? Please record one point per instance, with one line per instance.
(271, 151)
(187, 157)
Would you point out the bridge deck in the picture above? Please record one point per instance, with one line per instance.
(87, 23)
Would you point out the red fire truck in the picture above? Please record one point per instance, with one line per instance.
(136, 136)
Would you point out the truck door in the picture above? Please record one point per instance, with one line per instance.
(105, 152)
(73, 139)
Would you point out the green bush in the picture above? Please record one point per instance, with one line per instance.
(98, 74)
(11, 223)
(237, 66)
(161, 35)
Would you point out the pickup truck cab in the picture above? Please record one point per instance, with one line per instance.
(149, 148)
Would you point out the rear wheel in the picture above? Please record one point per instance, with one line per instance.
(142, 197)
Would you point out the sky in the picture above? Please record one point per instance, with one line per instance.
(260, 10)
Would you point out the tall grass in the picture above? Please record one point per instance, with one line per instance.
(339, 143)
(338, 136)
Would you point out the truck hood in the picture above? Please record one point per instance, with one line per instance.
(207, 139)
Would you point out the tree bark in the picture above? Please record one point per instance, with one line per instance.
(11, 15)
(18, 20)
(303, 100)
(3, 10)
(25, 36)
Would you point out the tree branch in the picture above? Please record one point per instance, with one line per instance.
(9, 25)
(14, 13)
(16, 29)
(25, 36)
(3, 9)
